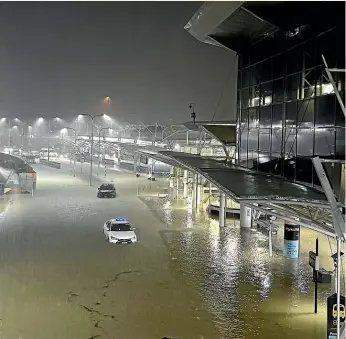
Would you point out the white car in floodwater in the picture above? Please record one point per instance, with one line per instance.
(119, 230)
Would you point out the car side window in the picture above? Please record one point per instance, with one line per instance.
(108, 224)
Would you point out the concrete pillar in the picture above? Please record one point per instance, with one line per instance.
(222, 210)
(186, 187)
(245, 216)
(171, 177)
(177, 185)
(291, 240)
(194, 191)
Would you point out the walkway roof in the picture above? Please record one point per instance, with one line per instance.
(273, 193)
(238, 24)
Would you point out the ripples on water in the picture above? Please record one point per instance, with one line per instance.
(249, 293)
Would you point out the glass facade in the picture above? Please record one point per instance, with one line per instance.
(286, 108)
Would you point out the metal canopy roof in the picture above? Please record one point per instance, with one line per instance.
(293, 202)
(238, 24)
(225, 133)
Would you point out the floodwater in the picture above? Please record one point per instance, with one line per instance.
(185, 278)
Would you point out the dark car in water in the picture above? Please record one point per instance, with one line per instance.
(106, 191)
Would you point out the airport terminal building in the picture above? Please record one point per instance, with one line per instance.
(287, 110)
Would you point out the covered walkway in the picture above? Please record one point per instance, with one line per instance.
(268, 194)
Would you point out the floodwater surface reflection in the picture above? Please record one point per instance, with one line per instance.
(251, 294)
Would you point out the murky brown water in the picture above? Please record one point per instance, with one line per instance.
(250, 294)
(185, 278)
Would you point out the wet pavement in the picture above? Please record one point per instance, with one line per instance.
(185, 278)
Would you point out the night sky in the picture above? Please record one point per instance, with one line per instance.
(62, 58)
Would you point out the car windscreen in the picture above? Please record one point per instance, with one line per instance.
(121, 227)
(107, 187)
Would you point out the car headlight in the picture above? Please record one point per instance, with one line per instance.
(114, 238)
(134, 238)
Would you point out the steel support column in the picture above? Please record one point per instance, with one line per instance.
(222, 210)
(245, 216)
(186, 187)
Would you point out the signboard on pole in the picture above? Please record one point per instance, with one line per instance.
(332, 314)
(314, 260)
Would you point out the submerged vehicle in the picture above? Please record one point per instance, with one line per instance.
(119, 230)
(106, 191)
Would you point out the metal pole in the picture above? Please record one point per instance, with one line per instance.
(91, 150)
(75, 153)
(98, 166)
(9, 137)
(316, 277)
(270, 239)
(104, 155)
(48, 138)
(338, 280)
(22, 138)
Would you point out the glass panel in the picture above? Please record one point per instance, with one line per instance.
(292, 85)
(277, 115)
(294, 60)
(246, 77)
(305, 142)
(340, 117)
(278, 66)
(291, 113)
(324, 141)
(254, 98)
(324, 112)
(306, 113)
(276, 140)
(265, 116)
(243, 144)
(309, 83)
(266, 93)
(290, 142)
(278, 91)
(264, 139)
(253, 139)
(245, 98)
(239, 82)
(253, 117)
(340, 143)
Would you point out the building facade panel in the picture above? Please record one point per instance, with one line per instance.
(287, 109)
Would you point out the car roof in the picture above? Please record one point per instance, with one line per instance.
(119, 220)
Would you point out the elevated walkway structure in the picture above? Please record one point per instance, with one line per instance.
(268, 194)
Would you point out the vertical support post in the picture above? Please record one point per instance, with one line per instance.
(222, 209)
(194, 191)
(338, 286)
(186, 178)
(171, 173)
(99, 155)
(270, 239)
(316, 277)
(245, 216)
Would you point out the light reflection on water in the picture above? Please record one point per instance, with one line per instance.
(249, 293)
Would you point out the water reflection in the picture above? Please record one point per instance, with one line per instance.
(250, 293)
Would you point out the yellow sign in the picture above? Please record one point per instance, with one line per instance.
(342, 311)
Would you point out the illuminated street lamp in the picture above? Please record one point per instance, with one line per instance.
(40, 120)
(92, 117)
(101, 129)
(75, 147)
(10, 120)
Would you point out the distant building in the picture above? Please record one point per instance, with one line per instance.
(287, 110)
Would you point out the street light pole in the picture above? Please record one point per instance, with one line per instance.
(91, 142)
(48, 139)
(75, 149)
(98, 166)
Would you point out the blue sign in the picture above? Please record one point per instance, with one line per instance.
(291, 249)
(119, 219)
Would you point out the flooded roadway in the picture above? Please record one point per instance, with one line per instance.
(61, 279)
